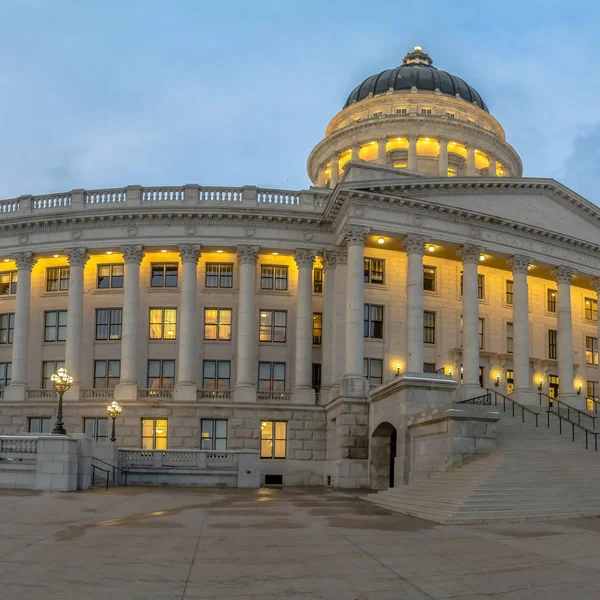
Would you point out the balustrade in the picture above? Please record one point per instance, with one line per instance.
(162, 194)
(9, 206)
(17, 445)
(155, 394)
(188, 459)
(106, 196)
(278, 197)
(51, 201)
(98, 394)
(275, 397)
(213, 394)
(41, 394)
(220, 194)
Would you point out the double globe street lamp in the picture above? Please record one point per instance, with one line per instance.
(61, 381)
(114, 410)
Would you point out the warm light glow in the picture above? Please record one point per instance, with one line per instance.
(163, 251)
(275, 253)
(481, 257)
(109, 252)
(450, 371)
(6, 259)
(497, 375)
(55, 255)
(431, 248)
(529, 267)
(372, 142)
(219, 251)
(159, 430)
(398, 365)
(381, 240)
(263, 314)
(418, 49)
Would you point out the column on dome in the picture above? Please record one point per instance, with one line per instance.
(443, 157)
(353, 382)
(354, 152)
(470, 309)
(247, 325)
(126, 389)
(382, 150)
(414, 245)
(77, 258)
(187, 359)
(335, 171)
(411, 163)
(321, 177)
(470, 160)
(17, 389)
(566, 383)
(303, 390)
(522, 377)
(492, 166)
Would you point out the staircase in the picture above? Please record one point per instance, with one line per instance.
(534, 474)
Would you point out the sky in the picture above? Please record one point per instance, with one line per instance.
(108, 93)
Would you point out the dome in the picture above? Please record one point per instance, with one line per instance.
(416, 72)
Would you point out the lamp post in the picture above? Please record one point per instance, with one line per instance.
(61, 381)
(114, 410)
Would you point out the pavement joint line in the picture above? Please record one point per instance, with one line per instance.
(189, 575)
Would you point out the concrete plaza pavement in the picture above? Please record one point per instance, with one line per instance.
(187, 543)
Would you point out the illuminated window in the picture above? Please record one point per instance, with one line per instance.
(97, 427)
(509, 292)
(273, 277)
(40, 424)
(428, 327)
(429, 279)
(216, 374)
(48, 368)
(317, 328)
(55, 326)
(373, 321)
(450, 115)
(164, 275)
(217, 324)
(591, 388)
(154, 434)
(219, 275)
(378, 113)
(591, 350)
(110, 276)
(8, 282)
(552, 343)
(552, 301)
(373, 371)
(273, 439)
(452, 170)
(509, 338)
(401, 111)
(425, 111)
(108, 323)
(57, 279)
(374, 270)
(553, 386)
(400, 164)
(273, 325)
(510, 381)
(7, 328)
(161, 374)
(214, 434)
(107, 373)
(591, 309)
(271, 377)
(318, 281)
(163, 323)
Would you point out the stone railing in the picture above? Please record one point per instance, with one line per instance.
(213, 394)
(106, 196)
(98, 394)
(41, 394)
(163, 194)
(275, 397)
(185, 459)
(278, 197)
(155, 394)
(220, 194)
(16, 446)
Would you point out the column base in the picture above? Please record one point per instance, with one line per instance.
(354, 386)
(303, 395)
(244, 393)
(126, 391)
(526, 397)
(15, 392)
(185, 391)
(73, 392)
(573, 400)
(467, 391)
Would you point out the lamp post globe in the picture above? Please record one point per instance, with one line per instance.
(61, 381)
(114, 410)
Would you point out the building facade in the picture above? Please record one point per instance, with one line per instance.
(232, 318)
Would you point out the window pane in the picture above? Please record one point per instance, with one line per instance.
(209, 368)
(170, 317)
(221, 429)
(168, 367)
(224, 369)
(171, 275)
(279, 371)
(157, 276)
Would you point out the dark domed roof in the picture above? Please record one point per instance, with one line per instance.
(417, 72)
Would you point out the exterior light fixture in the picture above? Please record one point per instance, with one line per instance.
(481, 257)
(114, 410)
(219, 251)
(540, 382)
(55, 255)
(380, 240)
(61, 381)
(497, 380)
(6, 259)
(263, 314)
(431, 248)
(275, 253)
(529, 267)
(109, 252)
(163, 251)
(398, 365)
(579, 386)
(450, 372)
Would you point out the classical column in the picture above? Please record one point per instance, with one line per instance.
(443, 157)
(353, 382)
(354, 152)
(411, 163)
(321, 177)
(127, 387)
(492, 166)
(77, 258)
(187, 326)
(522, 378)
(303, 390)
(470, 160)
(17, 389)
(470, 308)
(414, 244)
(247, 325)
(566, 383)
(338, 342)
(329, 262)
(596, 284)
(335, 171)
(382, 151)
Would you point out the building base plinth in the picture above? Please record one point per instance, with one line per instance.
(244, 393)
(185, 391)
(354, 386)
(526, 397)
(15, 392)
(303, 395)
(126, 392)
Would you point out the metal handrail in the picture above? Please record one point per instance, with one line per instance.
(570, 408)
(483, 400)
(562, 418)
(441, 371)
(113, 467)
(94, 467)
(514, 403)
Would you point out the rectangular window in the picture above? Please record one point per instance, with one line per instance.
(510, 381)
(374, 270)
(450, 115)
(428, 327)
(373, 321)
(591, 309)
(110, 276)
(429, 279)
(591, 388)
(378, 113)
(429, 368)
(553, 386)
(273, 277)
(7, 328)
(452, 171)
(400, 164)
(591, 350)
(40, 424)
(154, 434)
(55, 326)
(48, 368)
(5, 374)
(318, 281)
(217, 324)
(481, 330)
(551, 343)
(373, 371)
(425, 111)
(108, 323)
(509, 292)
(509, 338)
(106, 373)
(273, 325)
(271, 376)
(317, 328)
(163, 323)
(161, 374)
(97, 427)
(8, 282)
(400, 111)
(164, 275)
(57, 279)
(316, 377)
(214, 434)
(216, 375)
(552, 301)
(273, 439)
(480, 286)
(219, 275)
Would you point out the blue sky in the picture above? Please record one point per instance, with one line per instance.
(109, 93)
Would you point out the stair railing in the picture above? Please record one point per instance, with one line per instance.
(515, 404)
(114, 470)
(588, 432)
(96, 468)
(570, 409)
(483, 400)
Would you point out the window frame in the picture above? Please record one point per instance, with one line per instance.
(219, 274)
(551, 300)
(118, 324)
(57, 327)
(165, 275)
(217, 379)
(552, 344)
(369, 271)
(273, 454)
(110, 277)
(428, 328)
(213, 438)
(11, 285)
(46, 381)
(509, 293)
(317, 329)
(110, 380)
(162, 323)
(5, 374)
(95, 421)
(591, 349)
(61, 281)
(433, 280)
(271, 328)
(318, 277)
(591, 313)
(370, 324)
(42, 421)
(155, 434)
(272, 379)
(7, 332)
(510, 339)
(161, 376)
(274, 277)
(481, 332)
(374, 380)
(219, 325)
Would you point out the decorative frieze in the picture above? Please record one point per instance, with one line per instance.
(133, 253)
(304, 258)
(190, 253)
(25, 260)
(562, 274)
(469, 253)
(247, 254)
(355, 234)
(77, 256)
(414, 243)
(519, 263)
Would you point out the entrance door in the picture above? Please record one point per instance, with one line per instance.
(553, 386)
(392, 457)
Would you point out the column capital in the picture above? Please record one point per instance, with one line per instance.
(442, 139)
(413, 137)
(247, 254)
(596, 284)
(190, 253)
(77, 256)
(562, 274)
(414, 243)
(469, 253)
(133, 254)
(332, 258)
(304, 258)
(356, 146)
(469, 146)
(25, 260)
(382, 139)
(519, 263)
(355, 234)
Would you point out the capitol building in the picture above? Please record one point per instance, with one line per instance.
(418, 263)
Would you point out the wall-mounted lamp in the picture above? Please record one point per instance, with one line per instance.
(540, 382)
(381, 240)
(450, 372)
(398, 365)
(431, 248)
(579, 386)
(497, 380)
